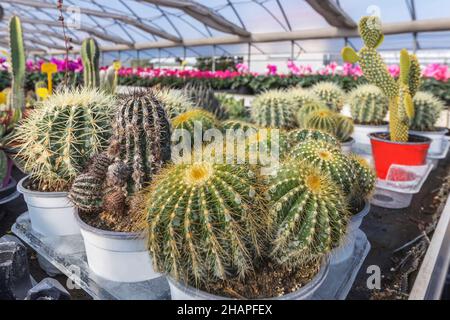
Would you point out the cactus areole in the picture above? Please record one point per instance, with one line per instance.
(397, 146)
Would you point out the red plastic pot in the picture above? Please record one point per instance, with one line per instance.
(386, 152)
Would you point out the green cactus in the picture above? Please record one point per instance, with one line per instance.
(364, 184)
(400, 92)
(310, 212)
(330, 94)
(238, 125)
(324, 120)
(428, 109)
(57, 139)
(195, 117)
(139, 148)
(206, 221)
(174, 102)
(203, 97)
(301, 98)
(235, 108)
(303, 113)
(90, 55)
(273, 109)
(330, 159)
(368, 105)
(108, 80)
(344, 128)
(3, 168)
(294, 137)
(17, 96)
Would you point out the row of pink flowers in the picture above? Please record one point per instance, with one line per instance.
(439, 72)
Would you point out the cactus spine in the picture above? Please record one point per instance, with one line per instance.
(330, 94)
(203, 119)
(90, 55)
(324, 120)
(206, 221)
(273, 109)
(17, 97)
(400, 92)
(310, 212)
(344, 128)
(57, 139)
(368, 105)
(364, 183)
(427, 111)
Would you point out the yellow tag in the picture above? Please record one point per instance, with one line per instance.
(42, 93)
(117, 65)
(2, 98)
(49, 67)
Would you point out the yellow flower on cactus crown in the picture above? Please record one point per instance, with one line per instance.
(42, 93)
(49, 68)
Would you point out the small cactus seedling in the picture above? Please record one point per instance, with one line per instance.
(427, 111)
(273, 109)
(330, 94)
(206, 221)
(368, 105)
(310, 212)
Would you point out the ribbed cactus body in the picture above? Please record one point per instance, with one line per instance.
(303, 113)
(330, 94)
(175, 102)
(368, 105)
(273, 109)
(203, 97)
(143, 133)
(57, 139)
(301, 98)
(294, 137)
(310, 211)
(238, 125)
(195, 118)
(329, 159)
(428, 109)
(17, 97)
(235, 108)
(90, 55)
(344, 128)
(364, 184)
(108, 80)
(324, 120)
(206, 221)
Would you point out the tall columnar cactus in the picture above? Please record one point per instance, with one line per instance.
(364, 184)
(345, 128)
(294, 137)
(175, 102)
(427, 111)
(90, 55)
(57, 139)
(273, 109)
(330, 94)
(206, 221)
(400, 92)
(310, 212)
(203, 97)
(327, 157)
(108, 80)
(324, 120)
(17, 97)
(368, 105)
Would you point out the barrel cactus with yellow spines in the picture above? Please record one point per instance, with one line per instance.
(428, 109)
(310, 211)
(399, 92)
(175, 102)
(304, 103)
(193, 118)
(206, 221)
(273, 109)
(368, 105)
(324, 120)
(294, 137)
(364, 184)
(344, 128)
(330, 94)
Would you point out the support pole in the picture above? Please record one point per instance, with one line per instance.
(214, 59)
(249, 55)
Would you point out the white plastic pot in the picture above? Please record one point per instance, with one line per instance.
(347, 146)
(361, 133)
(51, 213)
(438, 139)
(346, 249)
(181, 291)
(117, 256)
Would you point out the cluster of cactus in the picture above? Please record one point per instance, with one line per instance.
(427, 111)
(17, 96)
(234, 108)
(368, 105)
(399, 92)
(90, 55)
(364, 184)
(330, 94)
(203, 97)
(57, 139)
(174, 102)
(273, 109)
(206, 221)
(139, 148)
(331, 122)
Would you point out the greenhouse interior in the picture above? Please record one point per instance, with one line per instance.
(224, 150)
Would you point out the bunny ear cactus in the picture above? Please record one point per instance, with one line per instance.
(310, 212)
(273, 109)
(368, 105)
(427, 111)
(17, 96)
(400, 92)
(90, 55)
(330, 94)
(206, 221)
